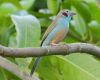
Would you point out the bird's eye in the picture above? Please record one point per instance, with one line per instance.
(65, 14)
(66, 11)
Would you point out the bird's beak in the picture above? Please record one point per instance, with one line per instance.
(73, 13)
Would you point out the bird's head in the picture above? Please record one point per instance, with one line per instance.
(66, 14)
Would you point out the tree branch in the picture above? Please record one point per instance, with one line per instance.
(50, 50)
(13, 68)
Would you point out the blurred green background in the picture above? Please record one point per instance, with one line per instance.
(23, 22)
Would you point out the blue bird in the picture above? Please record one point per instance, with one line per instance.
(56, 32)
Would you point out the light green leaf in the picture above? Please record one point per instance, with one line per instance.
(7, 8)
(79, 24)
(53, 5)
(87, 64)
(26, 4)
(72, 67)
(28, 35)
(28, 30)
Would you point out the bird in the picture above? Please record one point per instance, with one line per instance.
(56, 32)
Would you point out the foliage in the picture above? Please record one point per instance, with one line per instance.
(20, 22)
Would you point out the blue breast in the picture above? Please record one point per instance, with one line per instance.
(63, 22)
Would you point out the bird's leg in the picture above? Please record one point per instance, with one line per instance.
(54, 44)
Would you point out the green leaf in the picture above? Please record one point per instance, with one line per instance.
(94, 27)
(41, 15)
(70, 39)
(66, 4)
(72, 67)
(5, 23)
(5, 30)
(53, 5)
(2, 75)
(95, 11)
(26, 4)
(28, 35)
(7, 8)
(79, 24)
(13, 2)
(87, 64)
(83, 10)
(45, 22)
(4, 38)
(28, 30)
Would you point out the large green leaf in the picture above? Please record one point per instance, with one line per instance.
(79, 24)
(28, 35)
(86, 63)
(72, 67)
(28, 30)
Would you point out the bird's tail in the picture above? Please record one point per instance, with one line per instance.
(36, 62)
(35, 65)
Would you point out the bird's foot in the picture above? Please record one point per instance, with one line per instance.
(62, 44)
(54, 44)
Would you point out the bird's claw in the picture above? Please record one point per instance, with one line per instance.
(53, 44)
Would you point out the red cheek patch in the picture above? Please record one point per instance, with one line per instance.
(65, 14)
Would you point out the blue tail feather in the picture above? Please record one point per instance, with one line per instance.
(35, 65)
